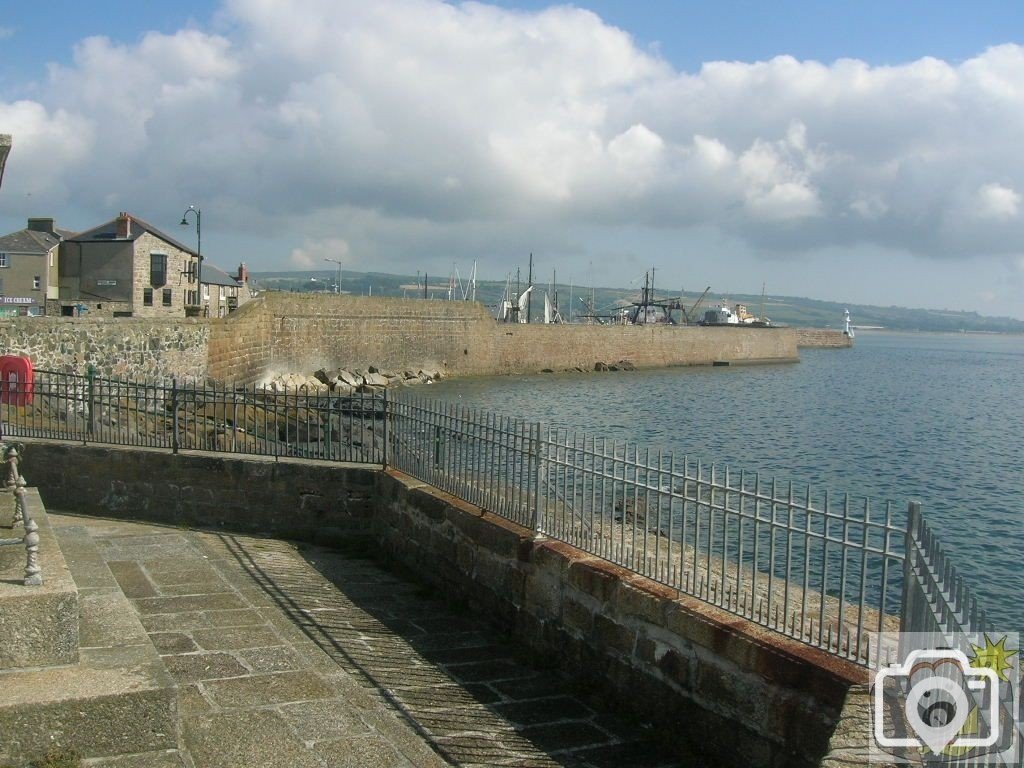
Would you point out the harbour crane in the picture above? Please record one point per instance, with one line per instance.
(689, 315)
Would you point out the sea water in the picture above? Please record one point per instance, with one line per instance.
(935, 418)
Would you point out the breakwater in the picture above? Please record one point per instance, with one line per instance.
(285, 332)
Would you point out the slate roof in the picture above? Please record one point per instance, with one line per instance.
(215, 276)
(108, 231)
(28, 241)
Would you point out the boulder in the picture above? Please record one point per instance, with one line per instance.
(625, 365)
(349, 378)
(375, 380)
(323, 376)
(599, 366)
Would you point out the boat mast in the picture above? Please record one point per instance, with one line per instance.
(529, 296)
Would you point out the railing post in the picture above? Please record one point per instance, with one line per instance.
(909, 549)
(387, 418)
(536, 458)
(90, 373)
(174, 415)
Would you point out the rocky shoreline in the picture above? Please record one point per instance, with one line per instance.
(343, 381)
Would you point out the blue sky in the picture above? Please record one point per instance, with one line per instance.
(409, 135)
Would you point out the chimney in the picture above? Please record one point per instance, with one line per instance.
(42, 225)
(243, 273)
(124, 226)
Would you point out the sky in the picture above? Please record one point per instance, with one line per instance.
(862, 152)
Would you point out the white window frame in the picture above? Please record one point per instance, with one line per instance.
(4, 259)
(37, 282)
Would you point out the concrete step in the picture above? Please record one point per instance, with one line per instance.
(39, 625)
(118, 699)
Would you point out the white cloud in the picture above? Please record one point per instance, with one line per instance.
(314, 253)
(468, 115)
(995, 201)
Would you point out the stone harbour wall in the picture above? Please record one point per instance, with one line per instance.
(821, 337)
(714, 685)
(126, 348)
(287, 332)
(280, 333)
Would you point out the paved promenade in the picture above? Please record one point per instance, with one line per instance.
(295, 655)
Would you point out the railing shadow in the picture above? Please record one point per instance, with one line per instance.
(468, 692)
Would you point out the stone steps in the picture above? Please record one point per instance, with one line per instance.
(112, 695)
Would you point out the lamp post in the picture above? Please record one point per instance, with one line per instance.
(199, 247)
(337, 288)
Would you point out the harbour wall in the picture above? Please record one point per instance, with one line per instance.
(713, 684)
(284, 332)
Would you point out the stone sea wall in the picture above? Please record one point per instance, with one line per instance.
(285, 332)
(282, 333)
(128, 348)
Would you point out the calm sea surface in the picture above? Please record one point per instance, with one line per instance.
(933, 418)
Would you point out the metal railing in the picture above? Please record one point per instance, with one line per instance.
(819, 569)
(822, 569)
(15, 485)
(188, 416)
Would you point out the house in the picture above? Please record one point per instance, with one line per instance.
(127, 268)
(28, 269)
(224, 293)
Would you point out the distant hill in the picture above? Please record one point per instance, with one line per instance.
(782, 310)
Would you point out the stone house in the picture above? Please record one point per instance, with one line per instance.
(28, 269)
(224, 293)
(127, 268)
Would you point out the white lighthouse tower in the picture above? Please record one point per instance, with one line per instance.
(847, 330)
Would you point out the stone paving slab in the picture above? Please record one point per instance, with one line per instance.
(300, 656)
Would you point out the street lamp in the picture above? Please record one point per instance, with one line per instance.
(337, 288)
(199, 247)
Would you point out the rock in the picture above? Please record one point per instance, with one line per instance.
(408, 375)
(373, 369)
(613, 367)
(374, 379)
(432, 375)
(546, 370)
(349, 378)
(323, 376)
(625, 365)
(599, 366)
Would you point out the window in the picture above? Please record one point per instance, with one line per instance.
(36, 282)
(167, 297)
(147, 297)
(3, 260)
(157, 269)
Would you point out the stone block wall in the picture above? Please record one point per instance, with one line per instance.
(241, 345)
(129, 348)
(285, 332)
(304, 500)
(821, 337)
